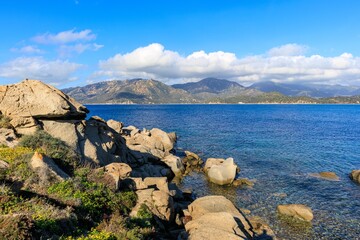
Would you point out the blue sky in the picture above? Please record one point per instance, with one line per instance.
(75, 42)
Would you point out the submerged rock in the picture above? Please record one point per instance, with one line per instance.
(220, 171)
(326, 175)
(298, 211)
(355, 176)
(243, 182)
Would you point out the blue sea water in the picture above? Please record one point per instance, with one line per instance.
(278, 146)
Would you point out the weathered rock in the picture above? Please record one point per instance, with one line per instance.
(174, 163)
(46, 168)
(95, 142)
(192, 162)
(215, 217)
(30, 100)
(261, 229)
(163, 205)
(117, 171)
(173, 137)
(221, 172)
(159, 203)
(212, 161)
(216, 225)
(116, 125)
(298, 211)
(355, 176)
(8, 137)
(326, 175)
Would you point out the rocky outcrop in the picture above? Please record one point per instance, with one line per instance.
(192, 162)
(115, 172)
(355, 176)
(46, 168)
(298, 211)
(220, 171)
(215, 217)
(243, 182)
(155, 194)
(30, 100)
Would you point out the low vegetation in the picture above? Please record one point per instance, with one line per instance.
(82, 207)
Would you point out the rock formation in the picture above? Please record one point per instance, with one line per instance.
(215, 217)
(30, 100)
(355, 176)
(220, 171)
(298, 211)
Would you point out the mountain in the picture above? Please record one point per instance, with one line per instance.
(210, 85)
(129, 91)
(210, 88)
(306, 89)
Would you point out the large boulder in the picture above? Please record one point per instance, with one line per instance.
(30, 100)
(221, 171)
(46, 168)
(298, 211)
(215, 217)
(355, 176)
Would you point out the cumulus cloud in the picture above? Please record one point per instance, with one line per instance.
(54, 72)
(283, 64)
(291, 49)
(28, 50)
(65, 37)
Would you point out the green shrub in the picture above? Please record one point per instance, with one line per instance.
(55, 148)
(9, 155)
(94, 235)
(5, 122)
(96, 199)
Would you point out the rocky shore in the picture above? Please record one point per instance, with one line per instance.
(107, 180)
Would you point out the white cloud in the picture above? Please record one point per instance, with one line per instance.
(53, 72)
(284, 63)
(291, 49)
(67, 50)
(65, 37)
(28, 50)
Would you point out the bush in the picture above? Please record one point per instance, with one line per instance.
(9, 155)
(52, 147)
(96, 199)
(5, 122)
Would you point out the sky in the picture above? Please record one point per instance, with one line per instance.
(76, 42)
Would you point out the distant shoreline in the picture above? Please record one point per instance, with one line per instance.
(221, 103)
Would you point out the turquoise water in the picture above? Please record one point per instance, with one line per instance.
(275, 145)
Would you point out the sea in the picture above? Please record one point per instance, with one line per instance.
(278, 147)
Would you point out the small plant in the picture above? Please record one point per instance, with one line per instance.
(9, 155)
(5, 122)
(55, 148)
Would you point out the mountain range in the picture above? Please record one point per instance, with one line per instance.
(211, 90)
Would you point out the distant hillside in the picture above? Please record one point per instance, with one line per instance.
(129, 91)
(210, 85)
(309, 90)
(209, 90)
